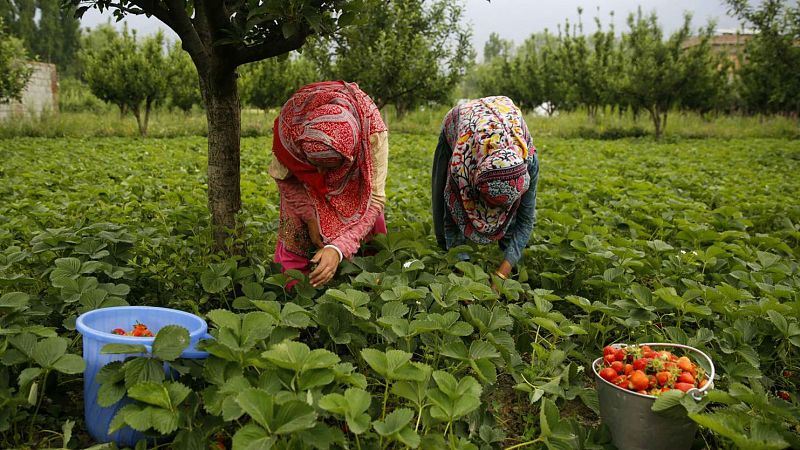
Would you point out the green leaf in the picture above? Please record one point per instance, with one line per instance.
(670, 404)
(294, 416)
(177, 392)
(13, 301)
(170, 342)
(138, 370)
(163, 421)
(28, 375)
(225, 319)
(214, 279)
(352, 405)
(395, 421)
(70, 364)
(120, 418)
(779, 321)
(253, 437)
(258, 404)
(256, 326)
(66, 268)
(298, 357)
(295, 316)
(47, 351)
(110, 393)
(151, 393)
(24, 342)
(123, 349)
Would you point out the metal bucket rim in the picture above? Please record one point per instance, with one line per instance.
(695, 393)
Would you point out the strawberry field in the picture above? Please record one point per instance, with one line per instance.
(694, 242)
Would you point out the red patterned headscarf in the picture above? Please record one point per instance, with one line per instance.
(325, 122)
(488, 168)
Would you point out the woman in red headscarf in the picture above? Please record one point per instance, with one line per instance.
(331, 153)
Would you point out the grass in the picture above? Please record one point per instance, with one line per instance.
(606, 125)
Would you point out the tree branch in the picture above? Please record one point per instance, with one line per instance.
(174, 15)
(265, 50)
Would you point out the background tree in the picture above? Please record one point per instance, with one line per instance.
(405, 52)
(14, 69)
(768, 78)
(497, 75)
(706, 87)
(269, 84)
(496, 46)
(127, 73)
(656, 71)
(51, 34)
(182, 81)
(221, 35)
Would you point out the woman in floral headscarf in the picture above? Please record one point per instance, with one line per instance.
(331, 150)
(485, 172)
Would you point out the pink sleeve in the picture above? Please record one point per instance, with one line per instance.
(350, 241)
(295, 199)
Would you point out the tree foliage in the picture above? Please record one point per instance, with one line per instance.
(768, 79)
(127, 72)
(270, 83)
(14, 69)
(405, 52)
(50, 33)
(658, 73)
(182, 82)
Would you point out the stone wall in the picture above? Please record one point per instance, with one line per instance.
(39, 96)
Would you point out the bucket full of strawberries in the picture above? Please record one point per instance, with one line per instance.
(630, 378)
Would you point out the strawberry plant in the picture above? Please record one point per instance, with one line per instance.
(408, 346)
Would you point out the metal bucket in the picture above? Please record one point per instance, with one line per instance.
(628, 413)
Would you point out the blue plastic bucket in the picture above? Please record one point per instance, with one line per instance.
(96, 326)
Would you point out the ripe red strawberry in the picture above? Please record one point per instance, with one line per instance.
(638, 381)
(608, 374)
(686, 377)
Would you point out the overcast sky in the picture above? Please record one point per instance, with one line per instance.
(518, 19)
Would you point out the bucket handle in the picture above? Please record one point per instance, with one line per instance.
(187, 354)
(696, 394)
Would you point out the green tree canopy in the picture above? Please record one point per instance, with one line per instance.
(405, 52)
(768, 78)
(50, 33)
(127, 72)
(14, 69)
(656, 72)
(269, 83)
(182, 81)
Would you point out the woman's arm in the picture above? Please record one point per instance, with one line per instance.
(439, 173)
(517, 238)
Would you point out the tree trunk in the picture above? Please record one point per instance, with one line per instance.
(656, 116)
(224, 125)
(138, 114)
(147, 107)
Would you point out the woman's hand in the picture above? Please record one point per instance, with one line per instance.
(327, 260)
(502, 272)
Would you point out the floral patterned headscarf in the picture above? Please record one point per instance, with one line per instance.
(488, 169)
(323, 123)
